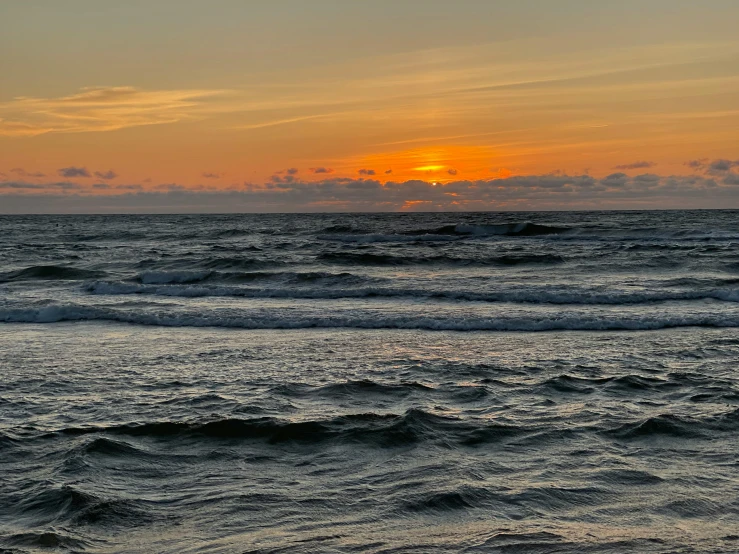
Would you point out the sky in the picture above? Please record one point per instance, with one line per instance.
(337, 105)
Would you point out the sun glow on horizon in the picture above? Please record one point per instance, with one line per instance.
(430, 168)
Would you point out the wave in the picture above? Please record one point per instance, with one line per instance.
(534, 296)
(351, 258)
(363, 388)
(50, 273)
(48, 504)
(462, 498)
(260, 319)
(670, 425)
(46, 540)
(521, 229)
(372, 238)
(116, 236)
(387, 430)
(342, 229)
(211, 263)
(205, 276)
(345, 233)
(626, 384)
(525, 229)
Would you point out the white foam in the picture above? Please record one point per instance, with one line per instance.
(277, 319)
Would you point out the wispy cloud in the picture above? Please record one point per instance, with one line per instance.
(100, 109)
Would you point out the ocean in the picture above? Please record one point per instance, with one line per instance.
(370, 383)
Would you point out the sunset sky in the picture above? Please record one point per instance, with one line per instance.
(291, 105)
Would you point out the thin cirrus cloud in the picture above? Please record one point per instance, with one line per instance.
(100, 109)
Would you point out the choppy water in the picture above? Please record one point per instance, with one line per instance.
(551, 382)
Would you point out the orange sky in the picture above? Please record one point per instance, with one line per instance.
(218, 95)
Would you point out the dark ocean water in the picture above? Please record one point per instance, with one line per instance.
(538, 382)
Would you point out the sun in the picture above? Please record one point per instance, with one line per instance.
(429, 168)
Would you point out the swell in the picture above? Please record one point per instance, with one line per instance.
(348, 233)
(384, 430)
(521, 229)
(679, 427)
(257, 319)
(370, 259)
(364, 388)
(206, 264)
(517, 229)
(206, 276)
(46, 504)
(50, 273)
(512, 296)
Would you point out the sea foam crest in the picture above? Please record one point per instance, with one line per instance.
(259, 319)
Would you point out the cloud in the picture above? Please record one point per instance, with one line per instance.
(23, 173)
(717, 167)
(278, 179)
(292, 171)
(321, 170)
(636, 165)
(388, 172)
(46, 187)
(71, 172)
(452, 171)
(286, 193)
(697, 164)
(21, 185)
(107, 175)
(367, 172)
(722, 166)
(209, 175)
(101, 109)
(171, 187)
(130, 187)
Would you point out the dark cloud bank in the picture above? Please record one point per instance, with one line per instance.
(289, 194)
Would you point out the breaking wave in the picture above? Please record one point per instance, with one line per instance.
(532, 296)
(258, 319)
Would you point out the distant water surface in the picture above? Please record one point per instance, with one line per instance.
(536, 382)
